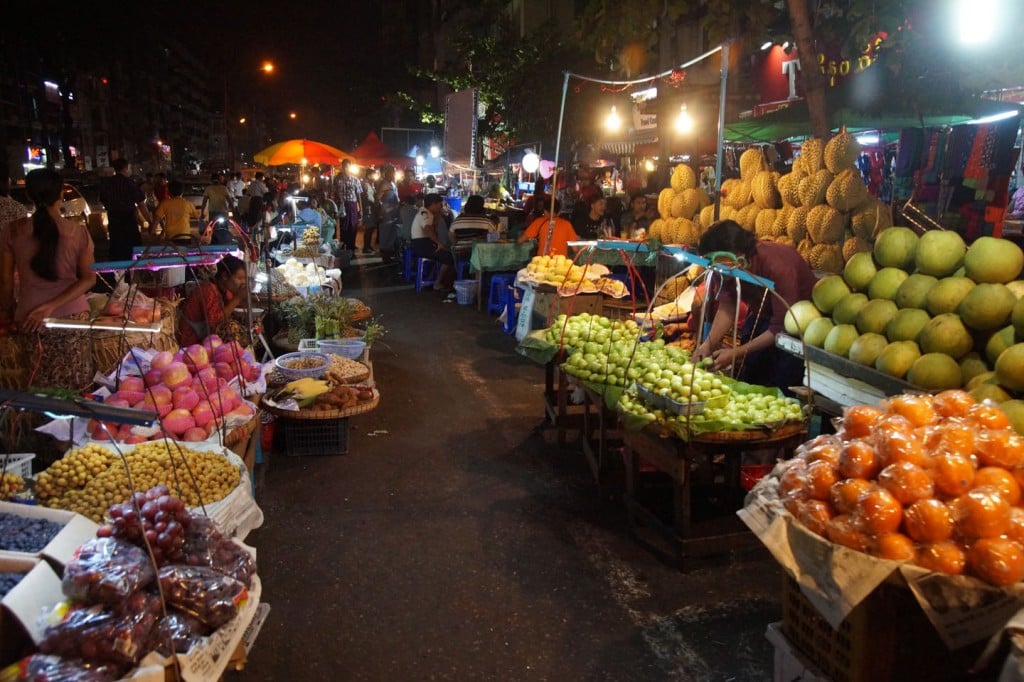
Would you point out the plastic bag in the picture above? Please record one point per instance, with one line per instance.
(43, 668)
(212, 597)
(128, 303)
(206, 546)
(176, 633)
(106, 571)
(117, 634)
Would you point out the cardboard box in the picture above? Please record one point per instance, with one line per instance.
(20, 628)
(790, 663)
(76, 530)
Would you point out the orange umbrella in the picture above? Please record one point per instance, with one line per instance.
(301, 151)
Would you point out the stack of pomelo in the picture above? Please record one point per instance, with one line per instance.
(933, 480)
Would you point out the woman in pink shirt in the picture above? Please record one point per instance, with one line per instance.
(51, 258)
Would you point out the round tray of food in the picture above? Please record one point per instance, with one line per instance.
(336, 403)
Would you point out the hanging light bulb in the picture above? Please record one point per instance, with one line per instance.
(531, 162)
(766, 45)
(684, 123)
(614, 121)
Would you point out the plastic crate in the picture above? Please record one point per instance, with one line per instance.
(18, 463)
(314, 437)
(886, 637)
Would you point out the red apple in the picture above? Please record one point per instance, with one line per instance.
(176, 374)
(115, 308)
(133, 439)
(178, 421)
(118, 400)
(203, 414)
(184, 398)
(225, 370)
(196, 358)
(161, 360)
(212, 342)
(153, 377)
(208, 378)
(131, 383)
(195, 435)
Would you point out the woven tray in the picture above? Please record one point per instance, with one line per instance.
(241, 434)
(309, 415)
(784, 432)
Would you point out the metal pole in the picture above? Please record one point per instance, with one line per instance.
(721, 129)
(558, 150)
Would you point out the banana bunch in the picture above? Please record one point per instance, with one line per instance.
(303, 391)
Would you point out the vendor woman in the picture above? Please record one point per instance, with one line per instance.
(52, 259)
(208, 309)
(756, 358)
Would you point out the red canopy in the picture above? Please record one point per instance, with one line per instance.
(373, 152)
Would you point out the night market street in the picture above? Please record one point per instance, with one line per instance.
(456, 541)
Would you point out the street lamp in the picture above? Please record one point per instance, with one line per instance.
(291, 115)
(684, 122)
(267, 67)
(976, 20)
(613, 122)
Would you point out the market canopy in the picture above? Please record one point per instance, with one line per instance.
(301, 151)
(373, 152)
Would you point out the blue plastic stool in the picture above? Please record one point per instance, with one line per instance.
(461, 269)
(407, 264)
(426, 273)
(513, 296)
(500, 283)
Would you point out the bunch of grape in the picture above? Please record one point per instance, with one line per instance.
(26, 533)
(155, 517)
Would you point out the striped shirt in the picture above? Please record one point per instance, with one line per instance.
(347, 188)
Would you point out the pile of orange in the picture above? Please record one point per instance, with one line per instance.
(933, 480)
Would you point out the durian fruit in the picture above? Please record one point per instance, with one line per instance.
(685, 232)
(789, 188)
(796, 226)
(854, 245)
(841, 152)
(764, 223)
(703, 199)
(814, 187)
(678, 208)
(782, 220)
(707, 217)
(747, 217)
(665, 197)
(785, 240)
(825, 225)
(683, 177)
(739, 196)
(656, 230)
(798, 166)
(764, 191)
(727, 213)
(867, 221)
(751, 163)
(826, 258)
(804, 247)
(812, 151)
(847, 191)
(687, 203)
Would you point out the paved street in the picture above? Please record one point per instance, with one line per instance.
(456, 541)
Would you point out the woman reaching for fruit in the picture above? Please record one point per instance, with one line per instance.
(756, 358)
(208, 309)
(52, 258)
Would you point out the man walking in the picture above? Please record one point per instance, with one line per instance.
(347, 190)
(216, 198)
(123, 200)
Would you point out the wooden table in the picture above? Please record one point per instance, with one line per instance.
(599, 433)
(558, 413)
(678, 459)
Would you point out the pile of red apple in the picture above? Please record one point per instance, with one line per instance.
(143, 310)
(191, 390)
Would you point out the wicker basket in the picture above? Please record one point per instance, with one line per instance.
(311, 415)
(109, 347)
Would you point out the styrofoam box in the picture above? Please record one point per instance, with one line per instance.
(790, 664)
(76, 530)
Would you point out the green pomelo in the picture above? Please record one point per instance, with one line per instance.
(1014, 409)
(1017, 317)
(1017, 287)
(828, 291)
(846, 310)
(980, 379)
(971, 365)
(987, 306)
(946, 334)
(886, 283)
(993, 392)
(874, 316)
(866, 348)
(859, 270)
(993, 261)
(799, 315)
(939, 253)
(907, 324)
(946, 296)
(998, 342)
(840, 339)
(895, 247)
(1010, 368)
(897, 358)
(913, 292)
(935, 372)
(817, 330)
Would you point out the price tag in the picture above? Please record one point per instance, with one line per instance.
(525, 321)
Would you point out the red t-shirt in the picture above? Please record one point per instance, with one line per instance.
(203, 311)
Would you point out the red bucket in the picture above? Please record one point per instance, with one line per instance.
(267, 430)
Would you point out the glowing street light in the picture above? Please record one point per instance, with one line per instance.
(766, 45)
(435, 151)
(613, 122)
(976, 20)
(684, 122)
(292, 115)
(267, 67)
(531, 162)
(242, 120)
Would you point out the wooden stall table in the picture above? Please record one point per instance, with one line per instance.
(671, 455)
(558, 413)
(497, 257)
(599, 432)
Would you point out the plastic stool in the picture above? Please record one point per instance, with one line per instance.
(426, 273)
(513, 296)
(407, 273)
(461, 268)
(500, 283)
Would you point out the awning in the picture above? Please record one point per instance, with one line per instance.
(628, 146)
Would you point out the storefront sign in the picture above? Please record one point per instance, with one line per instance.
(836, 69)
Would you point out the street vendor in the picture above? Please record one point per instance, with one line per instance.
(756, 358)
(208, 309)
